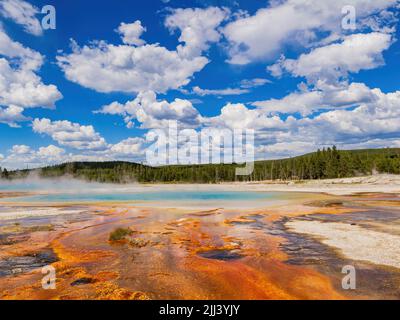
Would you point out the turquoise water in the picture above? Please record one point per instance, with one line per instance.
(148, 196)
(20, 187)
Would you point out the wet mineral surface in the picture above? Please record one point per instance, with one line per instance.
(170, 253)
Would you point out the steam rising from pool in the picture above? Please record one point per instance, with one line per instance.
(56, 185)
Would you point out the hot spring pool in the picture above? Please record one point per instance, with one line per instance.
(186, 196)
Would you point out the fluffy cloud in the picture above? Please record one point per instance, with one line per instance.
(198, 28)
(122, 68)
(22, 156)
(374, 121)
(12, 115)
(25, 56)
(20, 86)
(20, 149)
(238, 116)
(131, 33)
(282, 23)
(84, 142)
(135, 67)
(370, 123)
(23, 13)
(346, 115)
(356, 52)
(151, 113)
(324, 97)
(353, 116)
(128, 147)
(50, 152)
(70, 134)
(329, 109)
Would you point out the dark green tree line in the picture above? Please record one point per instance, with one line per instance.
(323, 164)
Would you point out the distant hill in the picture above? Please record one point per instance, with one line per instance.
(323, 164)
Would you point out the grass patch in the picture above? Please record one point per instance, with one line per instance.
(120, 234)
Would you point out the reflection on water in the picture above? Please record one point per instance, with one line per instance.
(224, 255)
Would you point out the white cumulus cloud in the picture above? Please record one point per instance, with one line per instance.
(356, 52)
(283, 23)
(20, 86)
(131, 33)
(198, 27)
(70, 134)
(134, 66)
(152, 113)
(23, 13)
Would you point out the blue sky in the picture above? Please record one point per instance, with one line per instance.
(93, 88)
